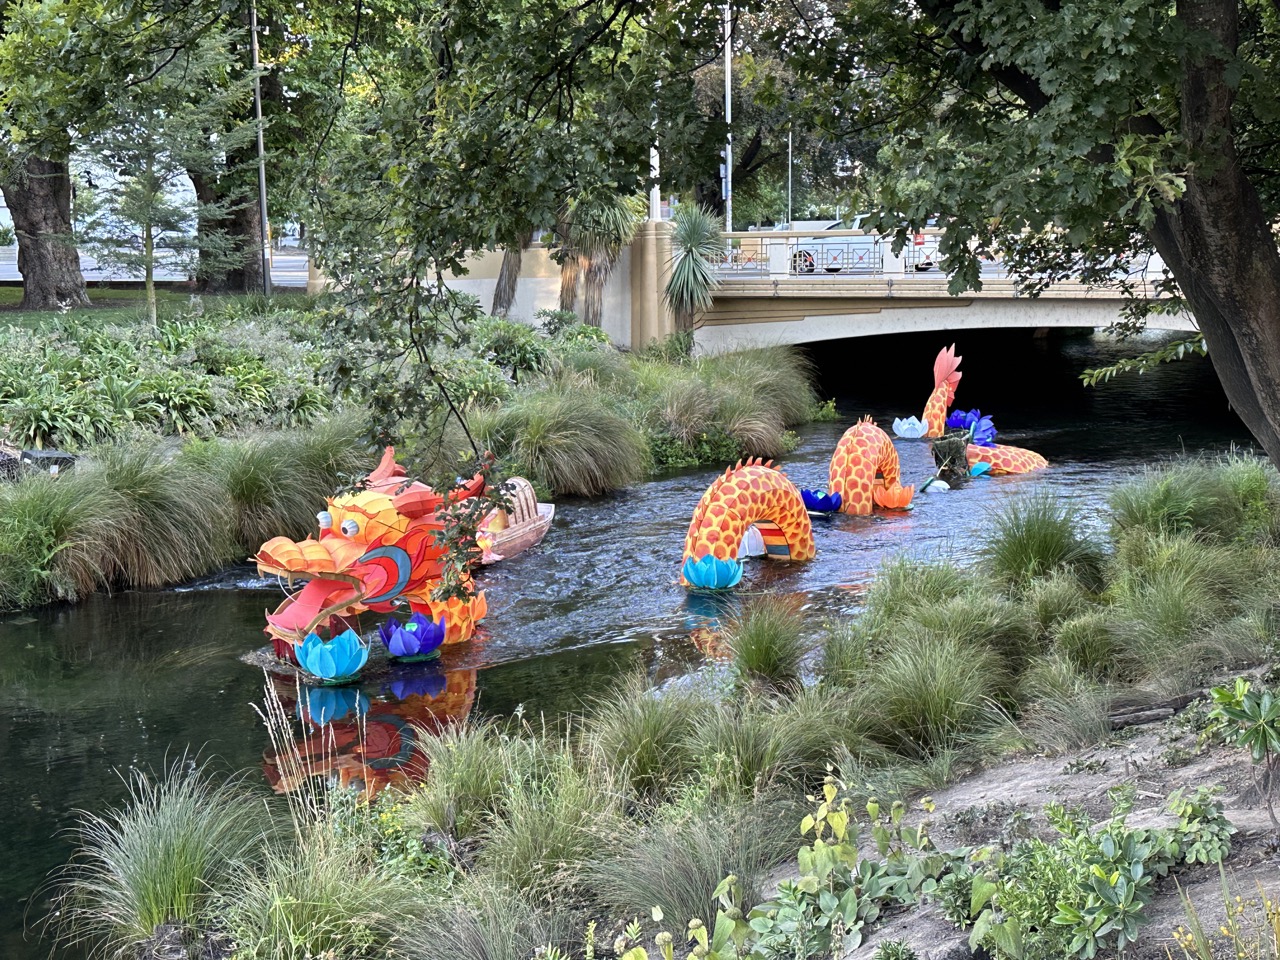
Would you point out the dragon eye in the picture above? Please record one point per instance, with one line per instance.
(325, 519)
(350, 528)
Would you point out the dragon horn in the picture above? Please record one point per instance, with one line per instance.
(946, 368)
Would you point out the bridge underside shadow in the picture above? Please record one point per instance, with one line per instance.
(739, 322)
(1028, 379)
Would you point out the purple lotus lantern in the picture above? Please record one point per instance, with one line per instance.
(983, 430)
(419, 639)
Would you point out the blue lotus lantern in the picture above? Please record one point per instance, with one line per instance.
(909, 428)
(980, 469)
(419, 639)
(982, 429)
(323, 705)
(711, 573)
(334, 661)
(819, 501)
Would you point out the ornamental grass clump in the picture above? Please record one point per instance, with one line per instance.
(677, 865)
(549, 824)
(933, 692)
(1038, 535)
(1234, 498)
(748, 749)
(1054, 599)
(1064, 708)
(54, 536)
(642, 735)
(780, 377)
(847, 650)
(172, 515)
(1089, 643)
(159, 859)
(906, 584)
(483, 920)
(571, 441)
(767, 642)
(316, 896)
(467, 768)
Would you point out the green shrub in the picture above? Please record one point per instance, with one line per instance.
(642, 735)
(1038, 535)
(766, 642)
(678, 865)
(159, 859)
(507, 343)
(933, 691)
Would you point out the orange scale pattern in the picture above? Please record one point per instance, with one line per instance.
(866, 461)
(752, 492)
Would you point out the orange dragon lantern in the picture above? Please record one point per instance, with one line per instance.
(375, 547)
(864, 471)
(983, 454)
(751, 494)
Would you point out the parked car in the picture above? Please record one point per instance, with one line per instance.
(861, 254)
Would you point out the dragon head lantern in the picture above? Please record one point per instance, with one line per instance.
(375, 547)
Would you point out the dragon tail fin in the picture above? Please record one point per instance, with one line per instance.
(946, 368)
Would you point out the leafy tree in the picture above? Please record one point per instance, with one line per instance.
(183, 119)
(1073, 139)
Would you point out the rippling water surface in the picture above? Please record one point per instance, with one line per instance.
(130, 680)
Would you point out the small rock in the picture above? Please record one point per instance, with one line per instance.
(957, 949)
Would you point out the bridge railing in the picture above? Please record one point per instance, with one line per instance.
(777, 254)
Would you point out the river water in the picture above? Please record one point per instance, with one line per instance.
(88, 692)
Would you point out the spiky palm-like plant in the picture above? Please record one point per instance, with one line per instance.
(697, 244)
(597, 227)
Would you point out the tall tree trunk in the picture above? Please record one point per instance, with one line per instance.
(149, 255)
(1216, 239)
(228, 207)
(39, 200)
(504, 294)
(570, 267)
(594, 280)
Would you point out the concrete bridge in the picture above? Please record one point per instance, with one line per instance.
(806, 287)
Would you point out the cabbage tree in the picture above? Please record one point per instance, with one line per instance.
(697, 247)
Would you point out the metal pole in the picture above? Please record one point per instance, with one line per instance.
(728, 117)
(655, 192)
(262, 153)
(790, 167)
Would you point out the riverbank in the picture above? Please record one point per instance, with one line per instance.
(215, 430)
(1064, 625)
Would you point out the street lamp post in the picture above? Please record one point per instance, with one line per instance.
(262, 153)
(728, 117)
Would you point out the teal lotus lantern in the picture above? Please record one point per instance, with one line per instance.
(334, 661)
(322, 705)
(712, 573)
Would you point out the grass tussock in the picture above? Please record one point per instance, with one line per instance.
(150, 513)
(468, 765)
(905, 585)
(933, 692)
(767, 642)
(160, 858)
(676, 864)
(1065, 708)
(551, 824)
(1234, 498)
(315, 896)
(643, 734)
(487, 921)
(1036, 536)
(572, 441)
